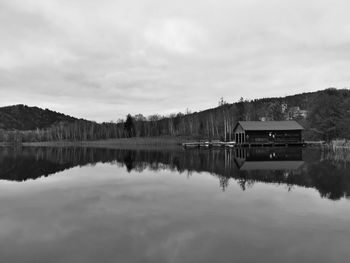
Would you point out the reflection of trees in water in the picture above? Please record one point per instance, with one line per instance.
(326, 175)
(331, 182)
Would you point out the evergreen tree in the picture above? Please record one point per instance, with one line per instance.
(129, 126)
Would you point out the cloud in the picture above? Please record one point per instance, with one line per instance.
(175, 35)
(159, 56)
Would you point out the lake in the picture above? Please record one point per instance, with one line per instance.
(174, 205)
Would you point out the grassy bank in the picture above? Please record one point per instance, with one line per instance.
(150, 142)
(340, 143)
(2, 144)
(164, 141)
(338, 150)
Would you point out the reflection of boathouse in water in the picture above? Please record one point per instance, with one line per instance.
(290, 158)
(268, 133)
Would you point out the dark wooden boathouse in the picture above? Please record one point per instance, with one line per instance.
(268, 133)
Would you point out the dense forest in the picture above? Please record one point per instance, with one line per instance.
(324, 114)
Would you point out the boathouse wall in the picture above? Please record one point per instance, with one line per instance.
(273, 136)
(268, 132)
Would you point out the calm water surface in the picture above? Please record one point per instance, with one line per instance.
(233, 205)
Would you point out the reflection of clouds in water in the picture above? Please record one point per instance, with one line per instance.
(103, 213)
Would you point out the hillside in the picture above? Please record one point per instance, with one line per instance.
(324, 114)
(22, 117)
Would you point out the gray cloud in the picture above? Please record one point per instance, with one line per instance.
(164, 56)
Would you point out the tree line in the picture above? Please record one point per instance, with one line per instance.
(324, 114)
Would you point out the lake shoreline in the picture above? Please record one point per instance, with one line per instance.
(136, 142)
(151, 142)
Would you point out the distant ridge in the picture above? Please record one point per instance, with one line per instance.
(23, 117)
(324, 114)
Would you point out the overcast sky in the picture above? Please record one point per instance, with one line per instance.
(103, 59)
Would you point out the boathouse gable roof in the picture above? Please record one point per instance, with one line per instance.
(269, 125)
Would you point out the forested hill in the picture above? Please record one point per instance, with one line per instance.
(324, 114)
(22, 117)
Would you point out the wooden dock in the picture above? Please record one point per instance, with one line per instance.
(271, 144)
(208, 144)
